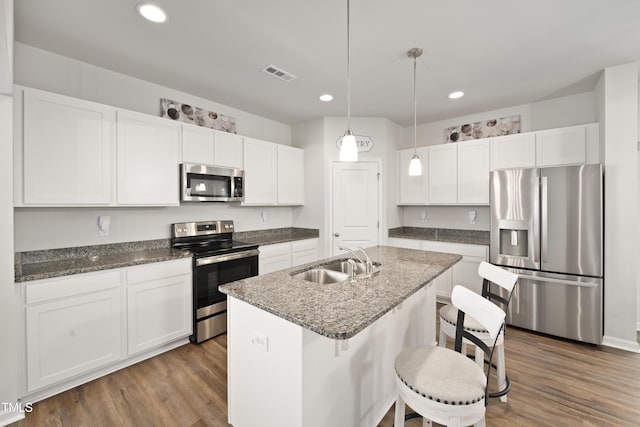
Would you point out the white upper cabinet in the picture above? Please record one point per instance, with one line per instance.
(412, 190)
(566, 146)
(147, 160)
(513, 151)
(474, 160)
(290, 175)
(228, 150)
(443, 174)
(197, 145)
(260, 172)
(273, 173)
(554, 147)
(68, 151)
(211, 147)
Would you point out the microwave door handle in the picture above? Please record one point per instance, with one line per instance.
(544, 215)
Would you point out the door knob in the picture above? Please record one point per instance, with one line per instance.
(336, 234)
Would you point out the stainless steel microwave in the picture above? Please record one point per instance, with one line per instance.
(203, 183)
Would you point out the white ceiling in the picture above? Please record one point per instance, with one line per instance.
(500, 52)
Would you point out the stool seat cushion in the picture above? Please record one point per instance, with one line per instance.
(441, 374)
(449, 314)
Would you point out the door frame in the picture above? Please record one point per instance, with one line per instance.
(328, 235)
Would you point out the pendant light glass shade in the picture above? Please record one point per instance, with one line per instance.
(348, 149)
(415, 167)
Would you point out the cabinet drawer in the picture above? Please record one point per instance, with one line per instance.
(456, 248)
(301, 245)
(50, 289)
(158, 270)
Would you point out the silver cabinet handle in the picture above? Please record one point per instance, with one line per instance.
(544, 217)
(336, 234)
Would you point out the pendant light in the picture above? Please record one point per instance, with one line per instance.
(415, 167)
(348, 148)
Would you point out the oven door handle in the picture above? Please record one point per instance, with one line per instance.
(226, 257)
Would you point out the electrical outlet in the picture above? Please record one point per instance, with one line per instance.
(473, 216)
(104, 225)
(260, 341)
(424, 215)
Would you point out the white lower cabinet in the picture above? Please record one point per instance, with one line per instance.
(158, 305)
(304, 251)
(286, 255)
(75, 333)
(77, 326)
(463, 273)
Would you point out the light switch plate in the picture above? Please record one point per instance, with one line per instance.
(260, 341)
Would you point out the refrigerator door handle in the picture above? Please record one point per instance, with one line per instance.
(558, 281)
(544, 215)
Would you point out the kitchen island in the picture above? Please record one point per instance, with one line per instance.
(307, 354)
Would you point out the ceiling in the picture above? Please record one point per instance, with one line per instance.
(501, 53)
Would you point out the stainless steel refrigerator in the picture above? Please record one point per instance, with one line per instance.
(546, 226)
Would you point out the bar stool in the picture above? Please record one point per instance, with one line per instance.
(448, 322)
(444, 385)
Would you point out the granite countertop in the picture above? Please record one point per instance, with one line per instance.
(341, 310)
(276, 235)
(49, 263)
(46, 264)
(473, 237)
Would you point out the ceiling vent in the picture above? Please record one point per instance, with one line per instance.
(279, 73)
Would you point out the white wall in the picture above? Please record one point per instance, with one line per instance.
(9, 364)
(44, 70)
(559, 112)
(47, 228)
(617, 100)
(319, 137)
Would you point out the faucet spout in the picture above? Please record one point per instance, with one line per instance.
(351, 251)
(367, 262)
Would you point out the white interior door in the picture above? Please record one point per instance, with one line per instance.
(355, 205)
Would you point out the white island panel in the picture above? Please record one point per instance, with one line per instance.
(283, 374)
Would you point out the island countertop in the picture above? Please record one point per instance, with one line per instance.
(341, 310)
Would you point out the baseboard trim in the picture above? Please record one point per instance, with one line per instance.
(621, 344)
(7, 418)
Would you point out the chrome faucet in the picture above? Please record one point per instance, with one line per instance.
(367, 262)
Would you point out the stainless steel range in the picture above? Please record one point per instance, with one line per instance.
(217, 259)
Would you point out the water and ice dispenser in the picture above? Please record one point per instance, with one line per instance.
(514, 238)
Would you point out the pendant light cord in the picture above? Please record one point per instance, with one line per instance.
(415, 108)
(348, 72)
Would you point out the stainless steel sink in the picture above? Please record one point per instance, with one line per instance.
(322, 276)
(343, 266)
(334, 271)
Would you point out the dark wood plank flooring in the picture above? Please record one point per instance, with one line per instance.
(555, 382)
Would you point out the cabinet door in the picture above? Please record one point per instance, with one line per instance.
(71, 336)
(69, 151)
(147, 160)
(404, 243)
(412, 190)
(473, 172)
(158, 312)
(513, 151)
(465, 273)
(274, 257)
(197, 145)
(564, 146)
(290, 175)
(443, 284)
(228, 150)
(260, 172)
(304, 251)
(443, 173)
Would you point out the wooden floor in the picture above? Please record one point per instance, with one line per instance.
(554, 383)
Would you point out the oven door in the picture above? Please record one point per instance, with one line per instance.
(209, 273)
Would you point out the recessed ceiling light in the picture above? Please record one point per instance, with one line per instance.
(151, 12)
(326, 97)
(457, 94)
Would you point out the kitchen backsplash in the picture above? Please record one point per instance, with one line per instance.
(454, 217)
